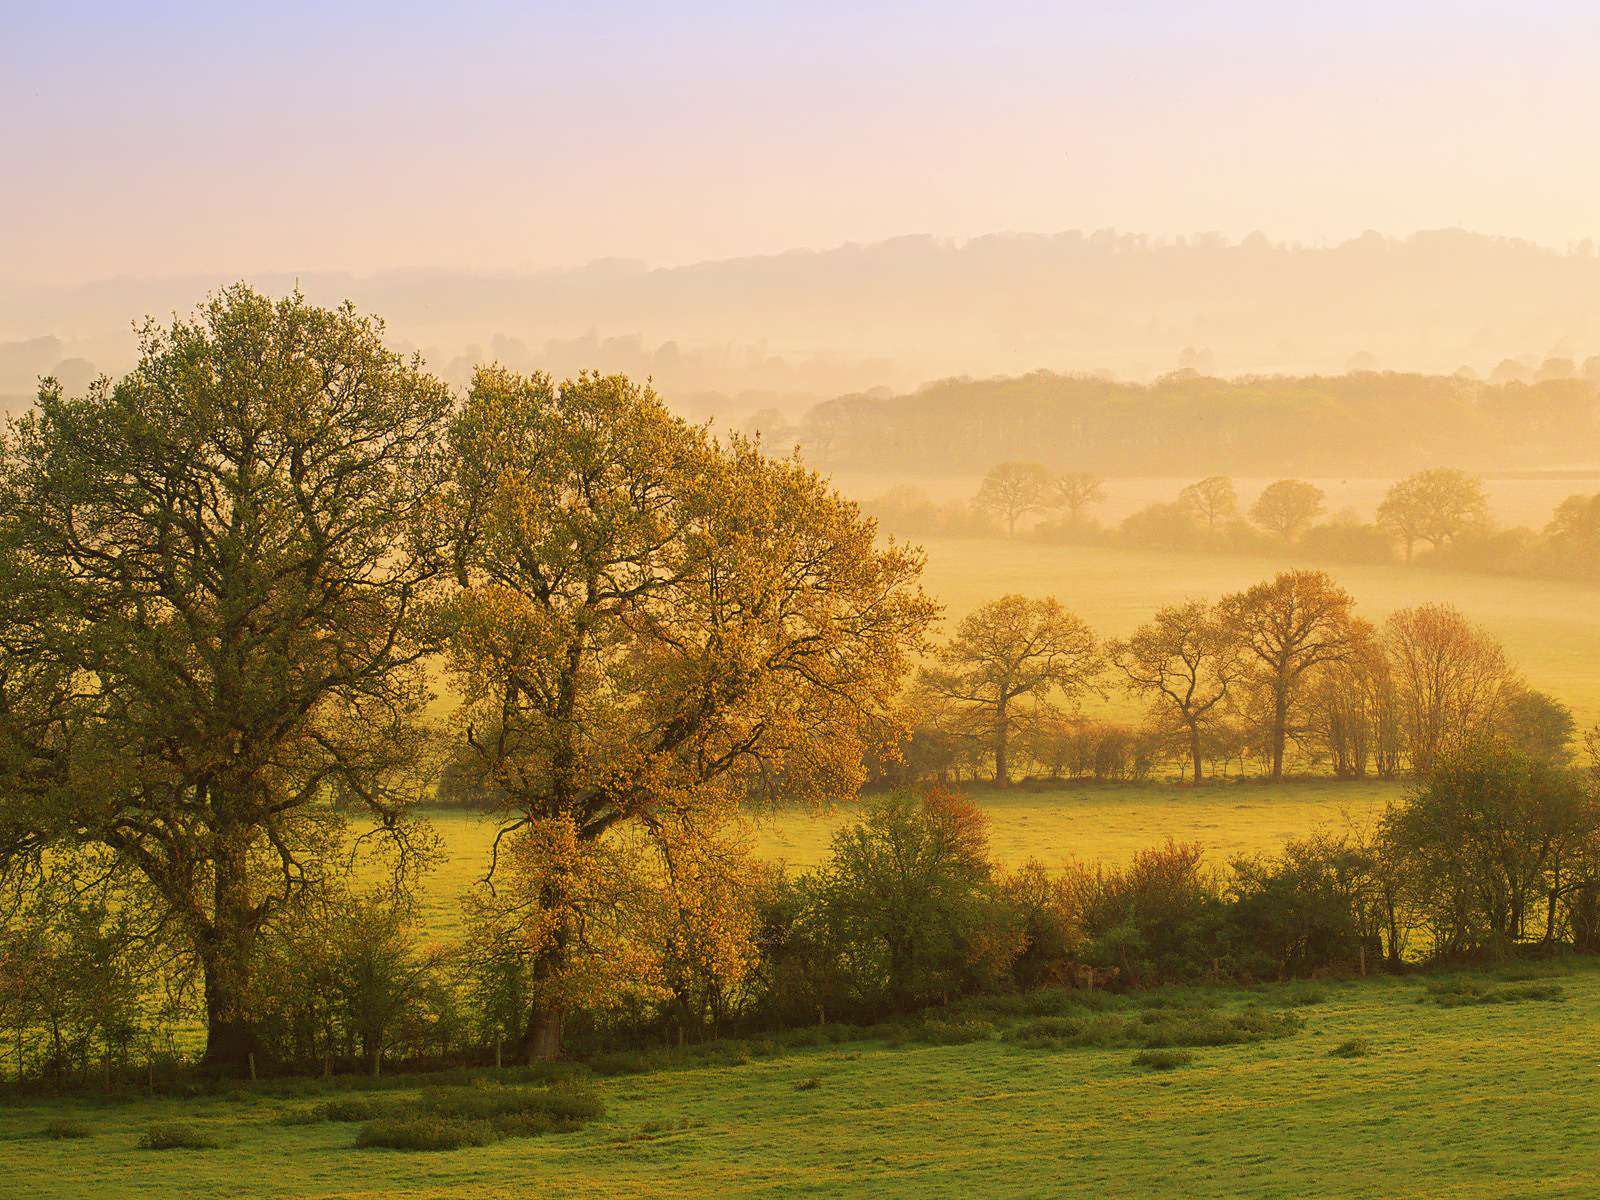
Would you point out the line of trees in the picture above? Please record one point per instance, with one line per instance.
(1441, 511)
(1283, 667)
(1497, 853)
(1185, 422)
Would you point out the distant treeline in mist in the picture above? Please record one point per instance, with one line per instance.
(1362, 422)
(788, 329)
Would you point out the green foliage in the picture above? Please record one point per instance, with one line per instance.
(1155, 1029)
(905, 897)
(1463, 991)
(425, 1132)
(1351, 1048)
(67, 1128)
(178, 1135)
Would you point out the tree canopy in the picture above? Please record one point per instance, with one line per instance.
(213, 577)
(652, 624)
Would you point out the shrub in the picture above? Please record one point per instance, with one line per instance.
(1461, 992)
(1156, 1029)
(177, 1135)
(1354, 1048)
(424, 1132)
(67, 1127)
(1162, 1060)
(1299, 995)
(557, 1104)
(808, 1085)
(935, 1032)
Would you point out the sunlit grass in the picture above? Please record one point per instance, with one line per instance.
(1374, 1094)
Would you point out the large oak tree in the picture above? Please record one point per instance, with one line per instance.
(653, 625)
(211, 575)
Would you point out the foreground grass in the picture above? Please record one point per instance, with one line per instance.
(1375, 1094)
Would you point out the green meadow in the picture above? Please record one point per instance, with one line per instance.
(1389, 1087)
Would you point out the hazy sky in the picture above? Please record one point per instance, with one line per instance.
(168, 138)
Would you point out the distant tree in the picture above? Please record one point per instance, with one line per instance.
(1287, 627)
(1452, 680)
(1008, 663)
(1212, 501)
(1575, 528)
(1509, 370)
(1538, 724)
(1287, 507)
(1014, 490)
(1185, 660)
(1163, 527)
(1077, 491)
(1433, 506)
(1354, 711)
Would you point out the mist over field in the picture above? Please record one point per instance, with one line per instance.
(786, 331)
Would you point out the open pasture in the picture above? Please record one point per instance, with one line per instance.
(1380, 1093)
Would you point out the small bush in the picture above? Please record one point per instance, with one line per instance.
(1522, 972)
(808, 1085)
(935, 1032)
(63, 1128)
(1156, 1029)
(1354, 1048)
(1300, 995)
(177, 1135)
(346, 1108)
(1162, 1060)
(1461, 991)
(558, 1104)
(424, 1132)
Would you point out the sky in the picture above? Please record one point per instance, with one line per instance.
(164, 139)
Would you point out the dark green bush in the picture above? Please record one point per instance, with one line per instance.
(1459, 992)
(424, 1132)
(934, 1032)
(1155, 1029)
(1354, 1048)
(177, 1135)
(67, 1127)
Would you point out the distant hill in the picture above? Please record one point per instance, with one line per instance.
(786, 330)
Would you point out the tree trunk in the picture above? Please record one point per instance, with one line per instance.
(1280, 724)
(226, 949)
(541, 1041)
(1194, 753)
(1001, 775)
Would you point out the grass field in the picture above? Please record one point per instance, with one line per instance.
(1089, 822)
(1481, 1101)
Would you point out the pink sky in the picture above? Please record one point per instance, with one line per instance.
(166, 138)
